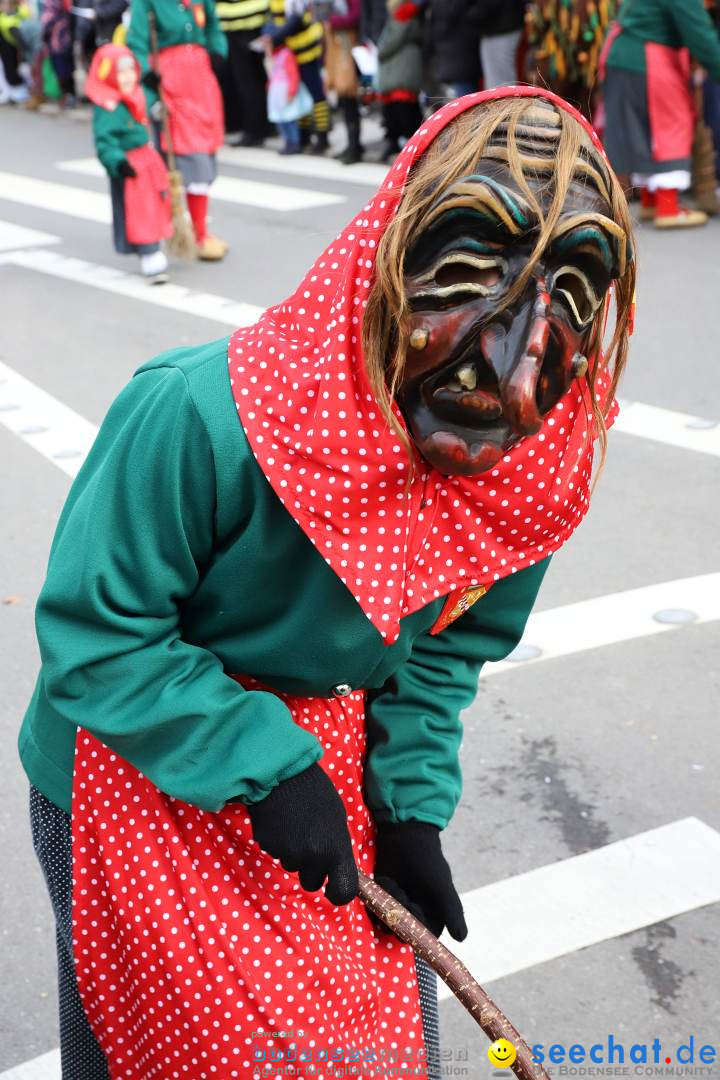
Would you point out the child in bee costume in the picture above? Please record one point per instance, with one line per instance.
(272, 587)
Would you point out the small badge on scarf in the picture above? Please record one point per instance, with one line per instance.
(456, 605)
(200, 16)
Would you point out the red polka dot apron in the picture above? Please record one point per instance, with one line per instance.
(197, 954)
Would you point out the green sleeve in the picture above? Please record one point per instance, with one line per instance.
(697, 31)
(138, 41)
(216, 40)
(138, 35)
(412, 770)
(131, 543)
(107, 142)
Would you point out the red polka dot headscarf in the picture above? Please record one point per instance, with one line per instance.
(302, 393)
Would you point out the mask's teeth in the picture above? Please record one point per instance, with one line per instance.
(467, 377)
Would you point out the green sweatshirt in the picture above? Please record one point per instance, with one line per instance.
(174, 564)
(115, 132)
(176, 25)
(665, 22)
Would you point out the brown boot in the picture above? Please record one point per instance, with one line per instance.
(211, 249)
(683, 219)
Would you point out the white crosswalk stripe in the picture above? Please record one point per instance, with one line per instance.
(221, 309)
(316, 168)
(265, 196)
(615, 617)
(58, 433)
(308, 168)
(95, 205)
(17, 236)
(672, 428)
(570, 905)
(58, 198)
(46, 1067)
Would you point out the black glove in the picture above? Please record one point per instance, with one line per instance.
(410, 865)
(302, 822)
(125, 169)
(151, 80)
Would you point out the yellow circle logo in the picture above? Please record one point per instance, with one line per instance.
(502, 1053)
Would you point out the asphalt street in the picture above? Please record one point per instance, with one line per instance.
(563, 755)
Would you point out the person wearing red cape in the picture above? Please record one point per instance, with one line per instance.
(139, 182)
(271, 590)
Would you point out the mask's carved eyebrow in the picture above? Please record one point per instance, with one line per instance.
(595, 234)
(502, 209)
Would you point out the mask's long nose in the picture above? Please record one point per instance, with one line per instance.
(516, 358)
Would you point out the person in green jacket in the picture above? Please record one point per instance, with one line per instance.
(139, 183)
(650, 113)
(174, 41)
(271, 590)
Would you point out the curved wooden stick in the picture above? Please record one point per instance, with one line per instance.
(469, 993)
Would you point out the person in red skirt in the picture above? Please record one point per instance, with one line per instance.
(187, 35)
(139, 184)
(650, 113)
(271, 590)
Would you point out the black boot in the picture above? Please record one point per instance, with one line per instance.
(351, 115)
(320, 143)
(351, 155)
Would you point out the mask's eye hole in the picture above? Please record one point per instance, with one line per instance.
(577, 291)
(460, 273)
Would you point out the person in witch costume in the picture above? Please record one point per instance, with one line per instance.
(271, 590)
(139, 184)
(650, 112)
(188, 34)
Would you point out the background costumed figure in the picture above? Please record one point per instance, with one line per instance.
(174, 49)
(310, 537)
(139, 183)
(566, 39)
(649, 101)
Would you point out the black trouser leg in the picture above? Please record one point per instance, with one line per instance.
(9, 58)
(80, 1053)
(249, 78)
(351, 116)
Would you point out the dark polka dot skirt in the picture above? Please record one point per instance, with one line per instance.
(81, 1056)
(80, 1053)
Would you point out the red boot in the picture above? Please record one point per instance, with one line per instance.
(648, 204)
(210, 248)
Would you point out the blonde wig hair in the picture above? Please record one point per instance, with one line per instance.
(503, 130)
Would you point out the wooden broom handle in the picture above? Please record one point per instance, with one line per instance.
(469, 993)
(152, 26)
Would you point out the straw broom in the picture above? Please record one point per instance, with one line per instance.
(469, 993)
(703, 161)
(182, 242)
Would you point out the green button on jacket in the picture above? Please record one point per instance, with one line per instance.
(174, 563)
